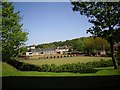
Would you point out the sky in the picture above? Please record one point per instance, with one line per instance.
(51, 21)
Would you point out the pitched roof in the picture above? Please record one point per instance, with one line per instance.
(42, 49)
(48, 49)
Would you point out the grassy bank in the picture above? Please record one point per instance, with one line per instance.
(8, 70)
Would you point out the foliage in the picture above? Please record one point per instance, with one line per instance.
(23, 66)
(84, 44)
(105, 17)
(8, 70)
(78, 45)
(102, 63)
(22, 50)
(93, 44)
(73, 67)
(12, 34)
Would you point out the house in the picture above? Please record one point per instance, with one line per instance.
(28, 53)
(46, 51)
(62, 49)
(35, 51)
(100, 53)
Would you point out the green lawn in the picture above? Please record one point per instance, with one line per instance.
(59, 61)
(8, 70)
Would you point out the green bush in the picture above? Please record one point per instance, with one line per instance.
(53, 68)
(45, 68)
(103, 63)
(23, 66)
(74, 67)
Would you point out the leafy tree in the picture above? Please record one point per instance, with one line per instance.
(23, 49)
(101, 44)
(13, 35)
(78, 45)
(105, 17)
(92, 44)
(89, 45)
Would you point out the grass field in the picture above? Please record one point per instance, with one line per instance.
(8, 70)
(60, 61)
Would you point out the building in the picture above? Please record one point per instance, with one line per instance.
(61, 50)
(46, 51)
(100, 53)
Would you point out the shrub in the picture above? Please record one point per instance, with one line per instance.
(53, 68)
(44, 68)
(103, 63)
(74, 67)
(22, 66)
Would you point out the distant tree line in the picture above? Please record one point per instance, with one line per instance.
(87, 45)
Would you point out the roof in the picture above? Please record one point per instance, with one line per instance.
(48, 49)
(36, 50)
(62, 47)
(42, 49)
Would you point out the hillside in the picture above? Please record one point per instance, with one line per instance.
(86, 45)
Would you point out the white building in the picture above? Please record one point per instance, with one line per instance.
(45, 51)
(61, 51)
(29, 54)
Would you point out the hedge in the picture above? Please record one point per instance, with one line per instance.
(74, 67)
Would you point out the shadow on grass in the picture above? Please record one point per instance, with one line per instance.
(61, 82)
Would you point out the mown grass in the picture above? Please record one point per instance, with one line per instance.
(8, 70)
(60, 61)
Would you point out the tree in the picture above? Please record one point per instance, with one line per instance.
(101, 44)
(78, 45)
(23, 49)
(89, 45)
(13, 35)
(92, 44)
(0, 30)
(105, 16)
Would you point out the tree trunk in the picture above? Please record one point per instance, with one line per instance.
(113, 55)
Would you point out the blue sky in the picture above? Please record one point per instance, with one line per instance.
(51, 21)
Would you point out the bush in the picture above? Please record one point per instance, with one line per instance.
(53, 68)
(45, 68)
(22, 66)
(74, 67)
(103, 63)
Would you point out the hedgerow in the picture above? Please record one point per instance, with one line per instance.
(74, 67)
